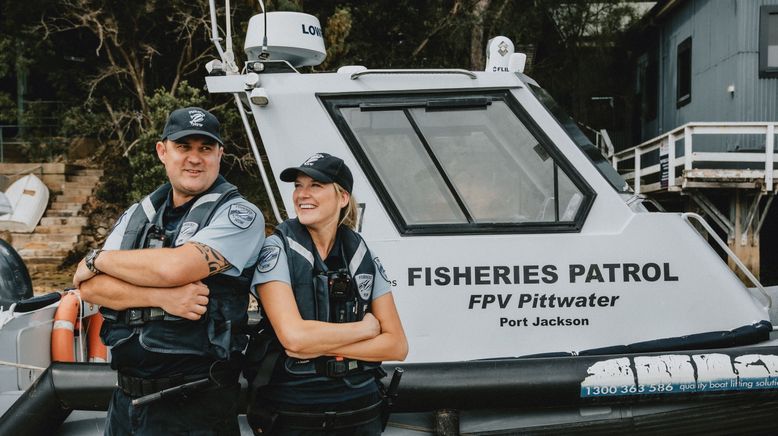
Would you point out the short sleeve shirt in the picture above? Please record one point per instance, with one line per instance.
(273, 266)
(236, 231)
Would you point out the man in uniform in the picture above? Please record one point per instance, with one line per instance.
(172, 280)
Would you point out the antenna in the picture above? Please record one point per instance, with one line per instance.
(215, 32)
(264, 54)
(229, 54)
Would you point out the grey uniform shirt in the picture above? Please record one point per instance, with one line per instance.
(273, 266)
(236, 231)
(237, 238)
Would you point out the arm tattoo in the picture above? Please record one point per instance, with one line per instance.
(216, 262)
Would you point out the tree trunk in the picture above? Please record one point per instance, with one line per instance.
(477, 60)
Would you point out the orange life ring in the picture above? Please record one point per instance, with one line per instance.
(97, 351)
(62, 333)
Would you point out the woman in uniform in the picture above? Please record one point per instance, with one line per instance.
(328, 303)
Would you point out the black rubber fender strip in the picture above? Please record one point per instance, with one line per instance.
(538, 382)
(62, 388)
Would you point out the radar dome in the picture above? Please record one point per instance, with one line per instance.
(291, 36)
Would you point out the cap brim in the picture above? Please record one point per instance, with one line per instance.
(290, 174)
(185, 133)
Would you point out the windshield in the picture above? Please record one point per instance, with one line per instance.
(466, 161)
(567, 123)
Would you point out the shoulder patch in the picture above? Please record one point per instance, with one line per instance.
(380, 269)
(364, 285)
(188, 229)
(268, 258)
(241, 216)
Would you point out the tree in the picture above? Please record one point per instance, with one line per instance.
(139, 47)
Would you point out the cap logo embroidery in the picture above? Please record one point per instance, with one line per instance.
(312, 160)
(196, 118)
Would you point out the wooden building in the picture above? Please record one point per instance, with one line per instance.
(706, 116)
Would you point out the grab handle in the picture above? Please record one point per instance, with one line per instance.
(690, 215)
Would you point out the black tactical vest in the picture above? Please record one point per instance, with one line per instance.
(219, 332)
(309, 283)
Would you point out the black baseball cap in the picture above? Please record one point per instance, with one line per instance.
(324, 168)
(191, 121)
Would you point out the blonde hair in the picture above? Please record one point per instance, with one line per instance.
(348, 213)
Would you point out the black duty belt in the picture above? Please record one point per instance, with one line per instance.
(337, 366)
(328, 420)
(140, 315)
(139, 387)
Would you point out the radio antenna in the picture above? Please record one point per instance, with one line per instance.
(215, 31)
(228, 53)
(264, 54)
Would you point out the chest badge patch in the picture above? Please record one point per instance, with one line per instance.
(268, 258)
(241, 216)
(364, 285)
(188, 229)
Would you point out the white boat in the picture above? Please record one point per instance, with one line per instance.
(27, 198)
(537, 292)
(5, 205)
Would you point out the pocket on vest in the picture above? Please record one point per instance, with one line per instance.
(227, 315)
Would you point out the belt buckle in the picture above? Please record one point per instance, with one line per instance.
(337, 368)
(153, 314)
(134, 316)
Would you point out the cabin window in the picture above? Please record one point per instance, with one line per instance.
(684, 73)
(461, 163)
(768, 41)
(571, 127)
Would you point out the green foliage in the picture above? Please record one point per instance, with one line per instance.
(121, 67)
(87, 120)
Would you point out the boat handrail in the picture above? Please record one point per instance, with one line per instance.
(258, 158)
(687, 216)
(469, 74)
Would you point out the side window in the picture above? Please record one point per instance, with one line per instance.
(408, 173)
(683, 67)
(495, 165)
(461, 163)
(768, 41)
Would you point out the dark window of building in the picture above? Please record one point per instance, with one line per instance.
(768, 41)
(684, 69)
(648, 86)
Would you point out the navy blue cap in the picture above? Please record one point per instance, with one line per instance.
(324, 168)
(191, 121)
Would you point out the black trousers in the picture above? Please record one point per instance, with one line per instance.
(204, 413)
(371, 428)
